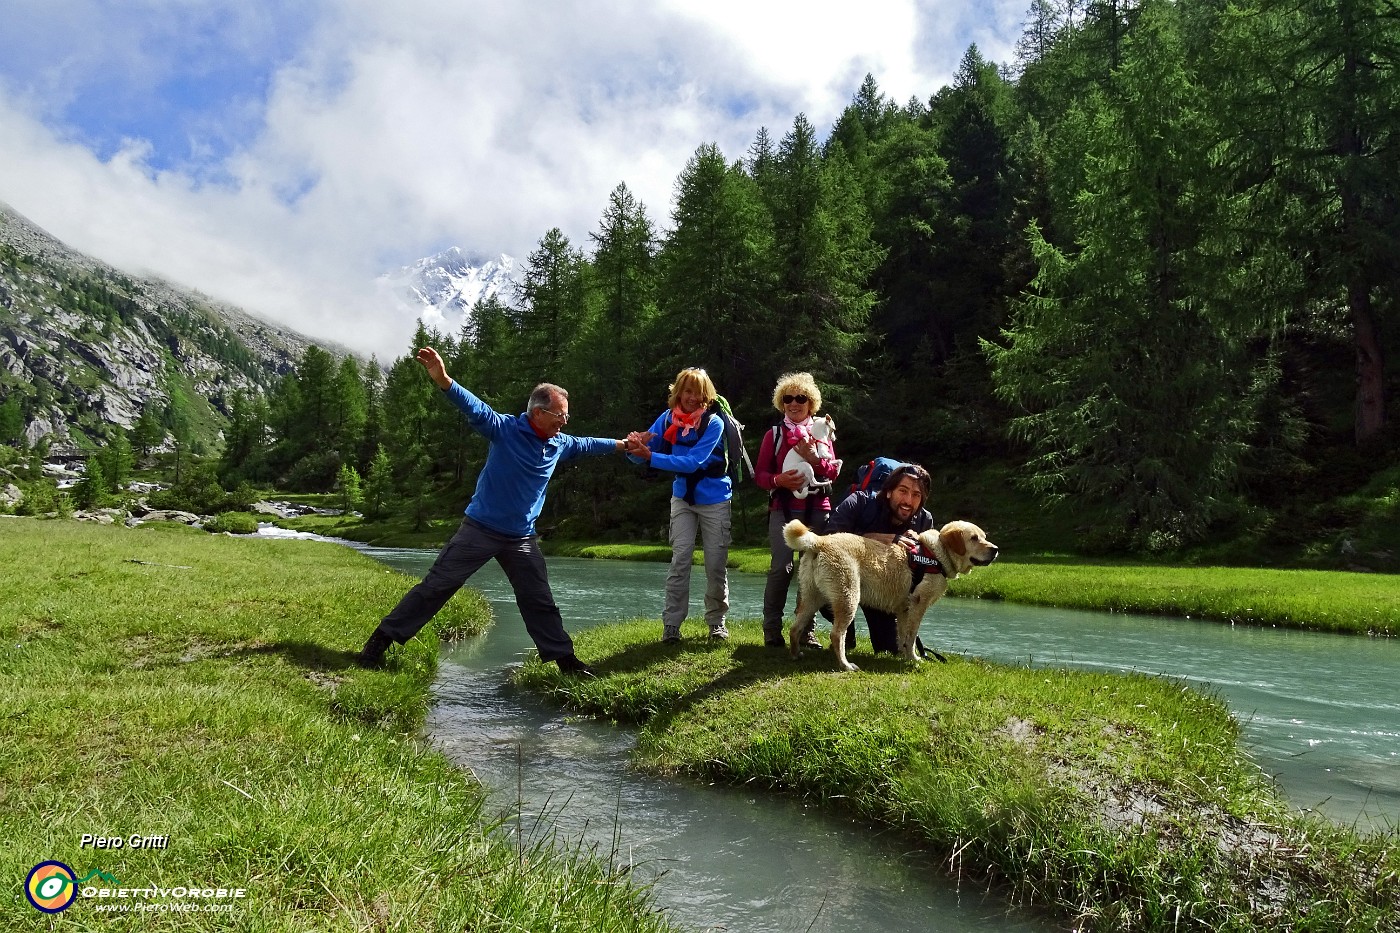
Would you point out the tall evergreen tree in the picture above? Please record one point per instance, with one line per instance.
(117, 461)
(350, 408)
(11, 421)
(1315, 93)
(823, 256)
(372, 380)
(550, 315)
(347, 487)
(90, 492)
(624, 277)
(379, 486)
(147, 433)
(714, 310)
(246, 441)
(490, 336)
(317, 414)
(1139, 390)
(973, 122)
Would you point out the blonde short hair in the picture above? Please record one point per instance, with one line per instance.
(797, 384)
(692, 377)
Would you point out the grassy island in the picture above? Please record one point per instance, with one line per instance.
(198, 690)
(1120, 802)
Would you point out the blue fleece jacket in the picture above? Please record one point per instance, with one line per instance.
(685, 458)
(510, 489)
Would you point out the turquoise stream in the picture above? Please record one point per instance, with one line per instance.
(1319, 712)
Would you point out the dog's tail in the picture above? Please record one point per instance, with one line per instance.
(798, 536)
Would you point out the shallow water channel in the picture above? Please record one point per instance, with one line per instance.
(1320, 712)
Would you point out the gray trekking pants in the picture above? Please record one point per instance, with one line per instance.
(780, 567)
(712, 523)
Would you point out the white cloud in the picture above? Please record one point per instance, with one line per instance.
(398, 128)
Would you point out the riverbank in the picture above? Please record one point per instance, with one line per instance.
(1114, 801)
(1317, 600)
(166, 684)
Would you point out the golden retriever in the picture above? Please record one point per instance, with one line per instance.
(844, 570)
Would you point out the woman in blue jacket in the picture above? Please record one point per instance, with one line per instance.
(688, 440)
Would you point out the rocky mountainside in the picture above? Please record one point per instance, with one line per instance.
(84, 347)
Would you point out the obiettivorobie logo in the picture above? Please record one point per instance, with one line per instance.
(53, 886)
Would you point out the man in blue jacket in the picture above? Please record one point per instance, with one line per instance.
(500, 520)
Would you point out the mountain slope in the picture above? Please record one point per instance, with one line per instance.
(85, 347)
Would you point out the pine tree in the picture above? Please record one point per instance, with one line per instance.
(246, 440)
(90, 492)
(350, 407)
(147, 433)
(347, 485)
(372, 385)
(379, 486)
(714, 308)
(11, 421)
(1140, 390)
(317, 414)
(624, 277)
(117, 462)
(550, 313)
(1314, 99)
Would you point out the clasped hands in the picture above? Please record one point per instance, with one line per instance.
(636, 444)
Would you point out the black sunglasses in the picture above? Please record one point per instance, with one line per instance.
(799, 399)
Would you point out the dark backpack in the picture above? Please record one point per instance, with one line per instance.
(730, 457)
(736, 458)
(871, 476)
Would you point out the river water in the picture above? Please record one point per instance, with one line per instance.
(1319, 712)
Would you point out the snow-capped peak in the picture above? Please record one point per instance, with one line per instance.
(441, 290)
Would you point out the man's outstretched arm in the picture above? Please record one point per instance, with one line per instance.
(437, 371)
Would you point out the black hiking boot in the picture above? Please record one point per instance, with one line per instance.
(372, 654)
(570, 664)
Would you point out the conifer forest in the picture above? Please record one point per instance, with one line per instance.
(1153, 265)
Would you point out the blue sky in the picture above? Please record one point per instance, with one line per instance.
(280, 156)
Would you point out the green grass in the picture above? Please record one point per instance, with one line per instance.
(162, 681)
(1119, 802)
(1322, 600)
(742, 559)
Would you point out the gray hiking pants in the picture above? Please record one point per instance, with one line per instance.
(712, 523)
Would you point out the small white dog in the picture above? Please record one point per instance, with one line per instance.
(823, 429)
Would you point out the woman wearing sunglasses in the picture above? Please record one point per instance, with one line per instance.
(798, 398)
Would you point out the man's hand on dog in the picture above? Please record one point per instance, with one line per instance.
(910, 539)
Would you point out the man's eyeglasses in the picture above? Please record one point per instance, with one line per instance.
(799, 399)
(562, 416)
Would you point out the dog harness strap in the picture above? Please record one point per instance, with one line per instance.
(921, 561)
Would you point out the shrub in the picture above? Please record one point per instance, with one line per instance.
(235, 523)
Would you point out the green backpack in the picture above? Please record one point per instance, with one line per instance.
(734, 465)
